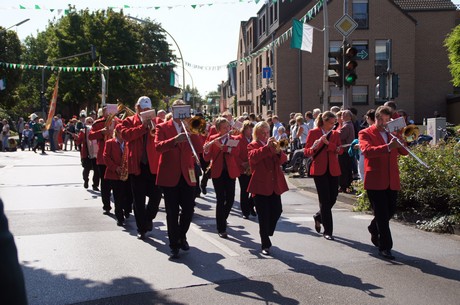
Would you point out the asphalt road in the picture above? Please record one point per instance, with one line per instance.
(72, 254)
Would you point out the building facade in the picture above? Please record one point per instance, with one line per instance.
(398, 36)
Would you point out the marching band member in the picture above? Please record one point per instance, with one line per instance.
(113, 158)
(323, 144)
(176, 176)
(138, 135)
(100, 133)
(246, 201)
(267, 182)
(222, 154)
(381, 178)
(88, 154)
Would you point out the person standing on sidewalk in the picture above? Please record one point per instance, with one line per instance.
(324, 146)
(381, 177)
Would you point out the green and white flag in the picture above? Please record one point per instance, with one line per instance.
(302, 36)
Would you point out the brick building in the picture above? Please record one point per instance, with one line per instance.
(408, 35)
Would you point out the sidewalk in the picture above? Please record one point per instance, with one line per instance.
(307, 184)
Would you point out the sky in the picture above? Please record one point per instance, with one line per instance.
(207, 36)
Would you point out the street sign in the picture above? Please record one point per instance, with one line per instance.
(346, 25)
(362, 54)
(266, 72)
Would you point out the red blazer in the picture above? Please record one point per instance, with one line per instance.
(243, 155)
(84, 145)
(112, 158)
(217, 156)
(97, 134)
(175, 160)
(133, 133)
(380, 165)
(329, 154)
(267, 177)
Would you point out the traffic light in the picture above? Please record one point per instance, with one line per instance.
(381, 87)
(336, 77)
(350, 65)
(273, 97)
(394, 85)
(263, 97)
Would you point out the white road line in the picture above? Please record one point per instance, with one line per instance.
(212, 240)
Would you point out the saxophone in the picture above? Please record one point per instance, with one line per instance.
(124, 165)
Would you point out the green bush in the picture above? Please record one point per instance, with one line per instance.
(426, 193)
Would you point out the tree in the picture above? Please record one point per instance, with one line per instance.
(10, 52)
(452, 43)
(118, 42)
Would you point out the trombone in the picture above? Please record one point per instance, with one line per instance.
(409, 132)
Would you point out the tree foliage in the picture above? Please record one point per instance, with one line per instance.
(118, 41)
(10, 51)
(452, 43)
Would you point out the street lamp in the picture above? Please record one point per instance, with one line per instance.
(180, 53)
(17, 24)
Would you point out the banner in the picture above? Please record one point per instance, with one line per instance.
(52, 105)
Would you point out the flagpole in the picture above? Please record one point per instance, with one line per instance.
(326, 58)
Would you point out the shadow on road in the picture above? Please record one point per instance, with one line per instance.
(60, 289)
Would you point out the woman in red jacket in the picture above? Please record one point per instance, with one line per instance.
(223, 153)
(323, 144)
(267, 182)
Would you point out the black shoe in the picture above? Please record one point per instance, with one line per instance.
(289, 169)
(85, 185)
(184, 245)
(95, 188)
(127, 214)
(174, 254)
(245, 216)
(141, 236)
(223, 234)
(203, 189)
(120, 223)
(328, 237)
(266, 251)
(317, 224)
(106, 212)
(253, 212)
(374, 237)
(386, 254)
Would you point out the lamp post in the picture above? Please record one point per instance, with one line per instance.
(178, 49)
(17, 24)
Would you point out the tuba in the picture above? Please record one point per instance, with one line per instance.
(282, 144)
(197, 125)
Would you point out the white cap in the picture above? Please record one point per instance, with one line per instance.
(144, 102)
(33, 116)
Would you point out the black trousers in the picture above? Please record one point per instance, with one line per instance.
(246, 201)
(224, 187)
(346, 177)
(105, 188)
(88, 165)
(327, 188)
(384, 205)
(122, 197)
(179, 204)
(142, 186)
(269, 210)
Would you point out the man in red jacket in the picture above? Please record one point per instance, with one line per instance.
(176, 176)
(381, 178)
(138, 135)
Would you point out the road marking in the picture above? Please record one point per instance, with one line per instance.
(212, 240)
(363, 216)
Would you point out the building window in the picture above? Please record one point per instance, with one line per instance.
(382, 55)
(362, 46)
(336, 97)
(360, 95)
(361, 13)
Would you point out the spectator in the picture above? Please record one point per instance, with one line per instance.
(27, 137)
(20, 127)
(5, 135)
